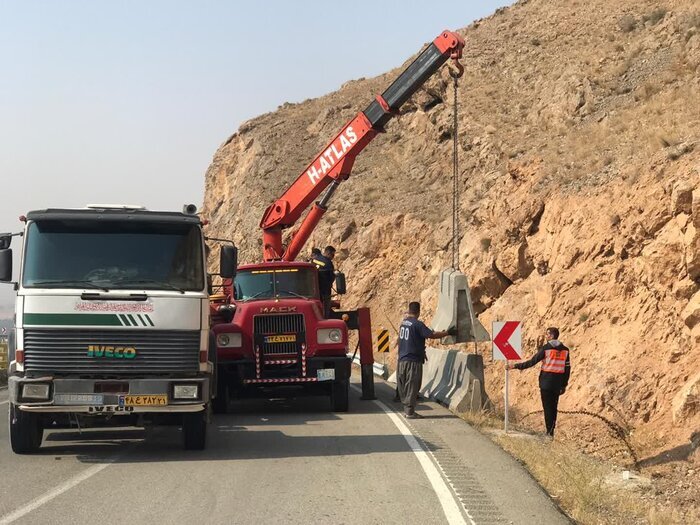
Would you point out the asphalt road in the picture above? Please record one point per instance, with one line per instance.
(275, 461)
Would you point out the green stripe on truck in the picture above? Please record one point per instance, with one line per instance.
(72, 319)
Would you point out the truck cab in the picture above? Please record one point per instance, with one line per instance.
(277, 335)
(112, 322)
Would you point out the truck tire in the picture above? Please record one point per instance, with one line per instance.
(194, 430)
(340, 391)
(26, 431)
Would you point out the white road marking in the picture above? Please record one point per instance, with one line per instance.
(450, 507)
(56, 491)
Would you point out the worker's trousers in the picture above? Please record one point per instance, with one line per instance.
(409, 378)
(550, 402)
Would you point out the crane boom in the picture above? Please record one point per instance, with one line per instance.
(334, 163)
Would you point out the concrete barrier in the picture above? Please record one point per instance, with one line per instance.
(455, 379)
(378, 369)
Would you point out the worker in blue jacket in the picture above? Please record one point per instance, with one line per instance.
(409, 376)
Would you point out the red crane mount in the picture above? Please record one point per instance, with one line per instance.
(277, 334)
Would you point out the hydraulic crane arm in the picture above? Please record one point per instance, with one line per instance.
(334, 164)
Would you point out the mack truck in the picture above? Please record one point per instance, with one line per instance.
(269, 324)
(112, 322)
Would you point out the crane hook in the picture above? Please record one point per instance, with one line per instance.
(457, 70)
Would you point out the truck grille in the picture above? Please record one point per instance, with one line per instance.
(285, 324)
(66, 351)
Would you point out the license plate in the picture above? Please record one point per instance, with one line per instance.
(280, 338)
(78, 399)
(146, 400)
(325, 374)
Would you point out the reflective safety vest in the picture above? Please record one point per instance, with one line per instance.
(554, 360)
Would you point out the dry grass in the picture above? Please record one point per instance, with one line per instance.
(627, 23)
(578, 484)
(482, 420)
(585, 487)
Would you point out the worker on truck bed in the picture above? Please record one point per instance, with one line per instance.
(326, 277)
(412, 336)
(554, 374)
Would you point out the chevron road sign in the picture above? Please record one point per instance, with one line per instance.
(507, 340)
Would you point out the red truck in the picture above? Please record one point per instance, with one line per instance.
(269, 324)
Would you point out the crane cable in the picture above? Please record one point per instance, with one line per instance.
(455, 176)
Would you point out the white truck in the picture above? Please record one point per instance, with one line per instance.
(112, 322)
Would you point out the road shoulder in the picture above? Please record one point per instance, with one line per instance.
(492, 486)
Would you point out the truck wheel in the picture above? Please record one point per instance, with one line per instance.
(26, 431)
(194, 430)
(339, 395)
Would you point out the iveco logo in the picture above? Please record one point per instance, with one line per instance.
(116, 352)
(277, 309)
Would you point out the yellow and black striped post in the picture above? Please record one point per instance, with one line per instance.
(383, 341)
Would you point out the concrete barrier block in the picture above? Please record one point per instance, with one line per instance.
(434, 372)
(380, 370)
(455, 309)
(476, 401)
(453, 378)
(450, 376)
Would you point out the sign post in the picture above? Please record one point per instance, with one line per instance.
(505, 400)
(506, 346)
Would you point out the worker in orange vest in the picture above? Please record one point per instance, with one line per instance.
(554, 375)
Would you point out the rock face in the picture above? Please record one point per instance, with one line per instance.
(579, 143)
(686, 404)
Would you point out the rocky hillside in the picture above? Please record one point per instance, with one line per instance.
(580, 197)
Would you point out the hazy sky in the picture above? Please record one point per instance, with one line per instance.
(127, 101)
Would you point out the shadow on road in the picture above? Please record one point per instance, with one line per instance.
(245, 434)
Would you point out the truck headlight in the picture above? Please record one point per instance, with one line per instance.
(38, 391)
(326, 336)
(186, 392)
(232, 340)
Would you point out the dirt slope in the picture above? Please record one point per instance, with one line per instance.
(580, 194)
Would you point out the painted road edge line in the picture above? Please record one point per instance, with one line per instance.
(450, 507)
(56, 491)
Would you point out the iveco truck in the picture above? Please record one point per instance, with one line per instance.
(111, 320)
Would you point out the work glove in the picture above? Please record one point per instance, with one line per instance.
(452, 330)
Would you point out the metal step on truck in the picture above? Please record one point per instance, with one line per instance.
(112, 322)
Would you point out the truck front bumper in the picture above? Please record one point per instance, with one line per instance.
(316, 371)
(92, 396)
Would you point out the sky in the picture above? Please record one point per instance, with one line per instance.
(126, 102)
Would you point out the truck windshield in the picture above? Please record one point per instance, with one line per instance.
(113, 255)
(274, 283)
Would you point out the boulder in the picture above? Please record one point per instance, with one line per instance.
(681, 198)
(691, 239)
(686, 402)
(515, 262)
(691, 313)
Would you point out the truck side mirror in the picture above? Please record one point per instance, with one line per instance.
(340, 287)
(5, 266)
(228, 261)
(5, 240)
